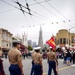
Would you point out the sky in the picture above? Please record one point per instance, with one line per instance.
(51, 15)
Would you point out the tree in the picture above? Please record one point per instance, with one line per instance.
(30, 48)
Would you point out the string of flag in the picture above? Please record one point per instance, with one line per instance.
(53, 23)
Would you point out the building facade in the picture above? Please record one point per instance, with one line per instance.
(5, 39)
(40, 41)
(34, 44)
(64, 38)
(24, 39)
(29, 42)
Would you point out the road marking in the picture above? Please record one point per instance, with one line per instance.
(61, 69)
(73, 65)
(65, 68)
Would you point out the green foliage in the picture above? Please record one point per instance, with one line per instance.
(30, 48)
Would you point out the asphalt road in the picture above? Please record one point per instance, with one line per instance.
(63, 68)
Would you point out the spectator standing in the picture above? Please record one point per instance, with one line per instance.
(68, 57)
(1, 64)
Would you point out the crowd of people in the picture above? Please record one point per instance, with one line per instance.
(69, 57)
(16, 66)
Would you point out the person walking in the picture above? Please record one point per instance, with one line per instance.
(52, 62)
(68, 57)
(37, 58)
(15, 60)
(64, 55)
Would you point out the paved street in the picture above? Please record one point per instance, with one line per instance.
(63, 68)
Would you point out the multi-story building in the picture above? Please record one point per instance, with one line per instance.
(29, 42)
(34, 44)
(15, 38)
(40, 41)
(64, 38)
(24, 39)
(5, 39)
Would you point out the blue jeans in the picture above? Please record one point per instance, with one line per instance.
(32, 69)
(37, 69)
(14, 70)
(52, 65)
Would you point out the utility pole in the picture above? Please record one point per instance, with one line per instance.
(70, 36)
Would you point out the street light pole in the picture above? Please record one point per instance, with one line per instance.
(69, 38)
(69, 35)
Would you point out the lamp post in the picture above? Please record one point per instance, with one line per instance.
(69, 35)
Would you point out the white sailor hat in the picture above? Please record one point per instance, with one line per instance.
(37, 48)
(50, 47)
(16, 42)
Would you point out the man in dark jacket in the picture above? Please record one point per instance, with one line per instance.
(1, 64)
(68, 56)
(73, 57)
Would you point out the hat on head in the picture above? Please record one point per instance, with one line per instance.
(50, 47)
(16, 42)
(37, 48)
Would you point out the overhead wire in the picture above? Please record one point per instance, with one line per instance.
(29, 12)
(36, 13)
(24, 10)
(38, 2)
(49, 11)
(6, 11)
(53, 8)
(32, 11)
(19, 9)
(26, 19)
(22, 6)
(12, 5)
(16, 7)
(58, 11)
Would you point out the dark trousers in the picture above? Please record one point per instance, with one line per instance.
(1, 68)
(37, 69)
(64, 60)
(52, 65)
(73, 60)
(14, 70)
(32, 69)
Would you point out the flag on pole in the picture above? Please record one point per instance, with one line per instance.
(51, 42)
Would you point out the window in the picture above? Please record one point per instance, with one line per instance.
(73, 39)
(60, 40)
(64, 40)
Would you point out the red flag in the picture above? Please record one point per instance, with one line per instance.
(51, 42)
